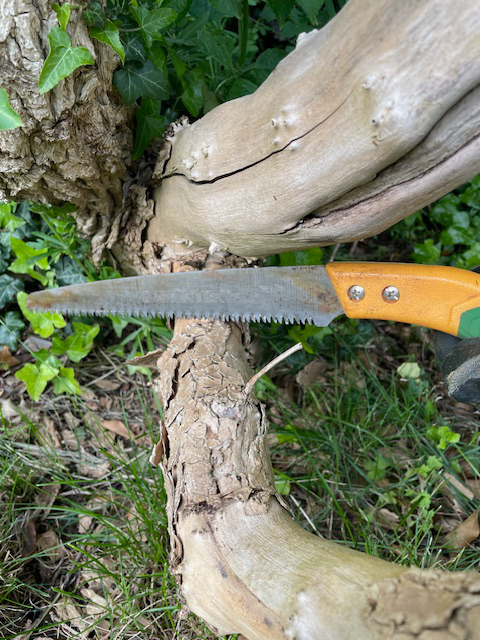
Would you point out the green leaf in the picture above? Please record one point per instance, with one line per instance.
(281, 9)
(376, 469)
(427, 252)
(458, 235)
(134, 81)
(306, 257)
(43, 324)
(9, 119)
(150, 125)
(134, 48)
(63, 13)
(282, 484)
(443, 436)
(9, 287)
(228, 8)
(28, 258)
(79, 344)
(215, 45)
(153, 22)
(8, 221)
(65, 382)
(68, 272)
(241, 87)
(36, 378)
(109, 34)
(157, 55)
(311, 8)
(178, 63)
(192, 97)
(433, 464)
(62, 60)
(11, 327)
(119, 324)
(94, 15)
(409, 370)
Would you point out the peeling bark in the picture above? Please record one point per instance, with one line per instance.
(74, 145)
(243, 564)
(368, 120)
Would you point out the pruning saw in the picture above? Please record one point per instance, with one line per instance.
(443, 298)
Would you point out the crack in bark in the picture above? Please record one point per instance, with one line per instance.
(257, 162)
(311, 220)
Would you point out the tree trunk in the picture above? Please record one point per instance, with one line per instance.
(75, 142)
(366, 121)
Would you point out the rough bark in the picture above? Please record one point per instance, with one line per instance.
(243, 564)
(368, 120)
(74, 145)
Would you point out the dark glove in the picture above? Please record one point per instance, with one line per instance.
(459, 365)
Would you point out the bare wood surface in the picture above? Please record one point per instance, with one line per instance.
(369, 119)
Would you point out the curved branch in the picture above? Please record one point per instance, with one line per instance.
(365, 122)
(243, 564)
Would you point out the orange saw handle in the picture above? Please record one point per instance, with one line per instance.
(443, 298)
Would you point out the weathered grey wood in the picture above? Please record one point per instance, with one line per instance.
(366, 121)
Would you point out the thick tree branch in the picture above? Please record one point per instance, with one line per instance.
(243, 564)
(365, 122)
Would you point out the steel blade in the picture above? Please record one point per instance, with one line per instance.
(291, 294)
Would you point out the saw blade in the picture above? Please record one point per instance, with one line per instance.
(289, 294)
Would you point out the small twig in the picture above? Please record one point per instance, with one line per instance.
(353, 248)
(334, 252)
(250, 384)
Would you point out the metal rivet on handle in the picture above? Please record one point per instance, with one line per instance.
(356, 292)
(391, 294)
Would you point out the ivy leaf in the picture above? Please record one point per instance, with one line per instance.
(134, 81)
(63, 13)
(311, 9)
(11, 327)
(134, 48)
(79, 344)
(109, 34)
(94, 15)
(281, 9)
(62, 60)
(150, 124)
(36, 378)
(215, 45)
(68, 272)
(65, 382)
(9, 287)
(192, 97)
(8, 221)
(43, 324)
(28, 258)
(9, 119)
(153, 22)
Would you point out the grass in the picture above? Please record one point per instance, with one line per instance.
(84, 548)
